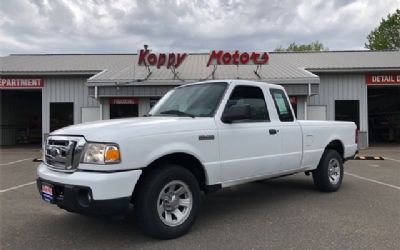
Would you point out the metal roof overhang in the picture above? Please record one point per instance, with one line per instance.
(352, 70)
(49, 73)
(157, 88)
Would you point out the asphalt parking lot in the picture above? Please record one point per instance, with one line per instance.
(286, 213)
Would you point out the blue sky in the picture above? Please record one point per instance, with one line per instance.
(124, 26)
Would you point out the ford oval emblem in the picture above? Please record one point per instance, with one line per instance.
(54, 152)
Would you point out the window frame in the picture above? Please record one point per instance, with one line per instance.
(287, 104)
(247, 120)
(353, 101)
(51, 125)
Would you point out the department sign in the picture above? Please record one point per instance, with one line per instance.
(21, 83)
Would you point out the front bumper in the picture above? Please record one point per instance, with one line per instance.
(90, 192)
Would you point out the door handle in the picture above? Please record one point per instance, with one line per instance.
(273, 131)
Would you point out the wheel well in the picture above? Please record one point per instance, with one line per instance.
(185, 160)
(338, 146)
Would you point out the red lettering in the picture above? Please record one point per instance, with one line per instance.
(146, 58)
(226, 58)
(244, 58)
(264, 58)
(21, 83)
(152, 59)
(215, 56)
(254, 57)
(123, 101)
(142, 56)
(235, 57)
(383, 79)
(180, 59)
(171, 60)
(161, 60)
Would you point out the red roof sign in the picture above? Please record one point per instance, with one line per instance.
(20, 83)
(383, 79)
(237, 58)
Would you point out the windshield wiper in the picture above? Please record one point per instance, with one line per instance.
(147, 115)
(176, 112)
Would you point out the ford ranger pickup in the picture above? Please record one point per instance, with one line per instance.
(197, 139)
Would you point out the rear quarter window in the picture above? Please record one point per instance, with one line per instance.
(282, 105)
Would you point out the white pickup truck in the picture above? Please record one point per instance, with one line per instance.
(199, 138)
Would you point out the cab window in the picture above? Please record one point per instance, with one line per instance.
(254, 98)
(282, 105)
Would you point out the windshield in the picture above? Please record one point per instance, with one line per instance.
(199, 100)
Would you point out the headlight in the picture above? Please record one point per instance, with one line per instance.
(99, 153)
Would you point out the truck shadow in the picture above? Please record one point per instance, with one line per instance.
(259, 200)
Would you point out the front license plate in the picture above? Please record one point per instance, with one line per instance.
(47, 192)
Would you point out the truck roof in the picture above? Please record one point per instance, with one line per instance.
(237, 81)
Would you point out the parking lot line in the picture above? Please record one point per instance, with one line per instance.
(13, 162)
(16, 187)
(373, 181)
(386, 158)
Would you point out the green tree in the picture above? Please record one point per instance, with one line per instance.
(293, 47)
(386, 35)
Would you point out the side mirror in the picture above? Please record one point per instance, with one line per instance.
(235, 113)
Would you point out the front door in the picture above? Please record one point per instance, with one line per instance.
(248, 148)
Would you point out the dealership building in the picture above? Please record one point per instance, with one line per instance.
(43, 92)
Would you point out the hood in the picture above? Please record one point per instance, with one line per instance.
(114, 130)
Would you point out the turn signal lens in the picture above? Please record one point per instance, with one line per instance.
(112, 155)
(356, 136)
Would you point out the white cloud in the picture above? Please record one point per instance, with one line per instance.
(106, 26)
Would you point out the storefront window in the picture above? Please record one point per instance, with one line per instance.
(153, 101)
(348, 110)
(61, 115)
(123, 110)
(124, 107)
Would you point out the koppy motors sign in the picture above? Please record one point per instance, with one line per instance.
(220, 57)
(146, 58)
(237, 58)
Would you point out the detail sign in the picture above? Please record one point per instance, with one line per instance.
(21, 83)
(237, 58)
(383, 79)
(124, 101)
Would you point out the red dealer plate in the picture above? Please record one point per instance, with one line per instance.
(47, 192)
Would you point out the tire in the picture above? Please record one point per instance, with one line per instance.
(160, 194)
(329, 174)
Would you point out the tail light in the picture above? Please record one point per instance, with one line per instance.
(356, 136)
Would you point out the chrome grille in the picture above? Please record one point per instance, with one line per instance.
(63, 153)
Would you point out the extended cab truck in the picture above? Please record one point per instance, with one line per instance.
(198, 138)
